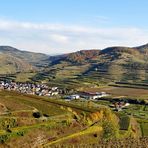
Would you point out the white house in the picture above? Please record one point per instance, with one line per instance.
(54, 88)
(54, 93)
(72, 97)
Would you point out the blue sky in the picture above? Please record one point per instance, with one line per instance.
(59, 26)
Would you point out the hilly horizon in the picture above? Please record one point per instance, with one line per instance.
(112, 63)
(14, 60)
(116, 63)
(90, 54)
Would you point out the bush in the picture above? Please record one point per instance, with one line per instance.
(109, 129)
(37, 114)
(20, 133)
(4, 138)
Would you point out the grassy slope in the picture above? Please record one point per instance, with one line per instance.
(10, 64)
(90, 130)
(57, 114)
(111, 64)
(50, 107)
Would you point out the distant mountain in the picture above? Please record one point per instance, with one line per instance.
(14, 60)
(31, 57)
(110, 64)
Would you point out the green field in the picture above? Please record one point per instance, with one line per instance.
(124, 122)
(144, 128)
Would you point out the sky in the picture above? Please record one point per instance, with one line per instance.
(63, 26)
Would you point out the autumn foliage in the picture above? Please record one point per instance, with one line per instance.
(96, 115)
(83, 56)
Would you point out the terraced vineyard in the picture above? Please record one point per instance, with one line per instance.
(44, 122)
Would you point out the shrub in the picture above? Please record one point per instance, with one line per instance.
(37, 114)
(20, 133)
(4, 138)
(109, 130)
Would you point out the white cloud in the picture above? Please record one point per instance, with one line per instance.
(60, 38)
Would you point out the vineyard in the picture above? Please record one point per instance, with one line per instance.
(124, 122)
(144, 128)
(44, 122)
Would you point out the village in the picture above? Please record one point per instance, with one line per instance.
(45, 90)
(30, 88)
(55, 92)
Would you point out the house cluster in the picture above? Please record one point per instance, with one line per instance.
(118, 106)
(87, 95)
(30, 88)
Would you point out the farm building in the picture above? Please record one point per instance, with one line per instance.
(118, 106)
(92, 95)
(72, 97)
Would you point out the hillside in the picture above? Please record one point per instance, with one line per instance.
(110, 64)
(10, 64)
(57, 121)
(143, 48)
(29, 120)
(14, 60)
(30, 57)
